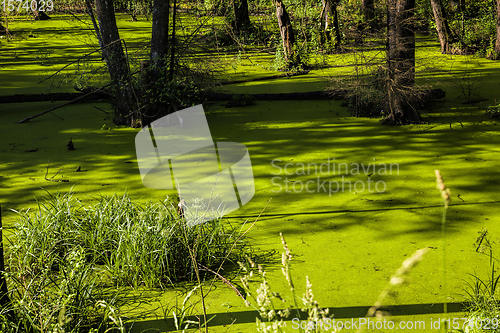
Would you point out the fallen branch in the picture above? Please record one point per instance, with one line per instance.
(226, 281)
(61, 105)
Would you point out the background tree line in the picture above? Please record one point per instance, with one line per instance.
(294, 30)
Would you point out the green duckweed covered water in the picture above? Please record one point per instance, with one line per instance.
(348, 242)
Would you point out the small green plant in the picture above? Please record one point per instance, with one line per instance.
(279, 62)
(482, 294)
(272, 306)
(493, 111)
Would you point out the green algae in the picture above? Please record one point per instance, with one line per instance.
(349, 243)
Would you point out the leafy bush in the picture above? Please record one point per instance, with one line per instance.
(493, 111)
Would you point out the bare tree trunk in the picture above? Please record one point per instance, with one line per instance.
(335, 14)
(159, 34)
(497, 43)
(441, 25)
(241, 15)
(90, 11)
(125, 103)
(286, 31)
(172, 44)
(329, 21)
(400, 51)
(154, 73)
(405, 64)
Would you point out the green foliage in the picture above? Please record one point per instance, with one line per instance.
(280, 61)
(132, 244)
(493, 111)
(269, 303)
(218, 7)
(482, 293)
(472, 26)
(65, 254)
(56, 293)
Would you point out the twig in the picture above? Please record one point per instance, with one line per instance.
(234, 244)
(61, 105)
(51, 178)
(77, 60)
(226, 281)
(98, 108)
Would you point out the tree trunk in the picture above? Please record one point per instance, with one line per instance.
(335, 14)
(368, 9)
(400, 51)
(441, 25)
(125, 103)
(173, 43)
(159, 34)
(90, 11)
(497, 43)
(286, 32)
(154, 73)
(330, 21)
(241, 16)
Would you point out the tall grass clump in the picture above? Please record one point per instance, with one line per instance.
(482, 293)
(63, 296)
(133, 244)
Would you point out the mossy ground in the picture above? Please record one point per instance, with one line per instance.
(349, 243)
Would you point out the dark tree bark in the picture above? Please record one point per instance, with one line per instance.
(497, 42)
(241, 15)
(286, 31)
(368, 9)
(330, 21)
(90, 11)
(442, 27)
(159, 34)
(125, 103)
(173, 43)
(400, 52)
(154, 73)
